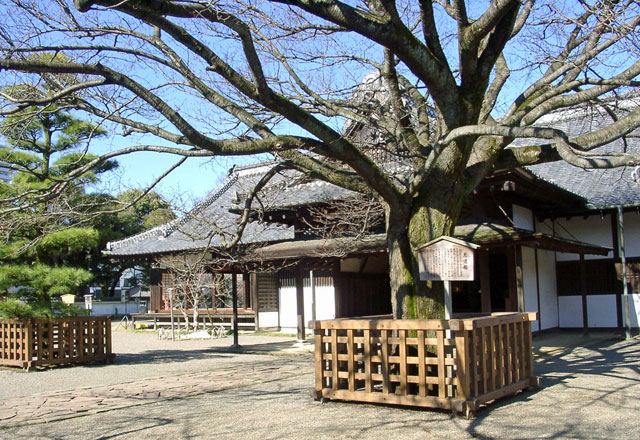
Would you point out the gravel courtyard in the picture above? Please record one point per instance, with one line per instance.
(200, 389)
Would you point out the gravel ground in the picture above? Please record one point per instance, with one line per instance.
(139, 355)
(591, 392)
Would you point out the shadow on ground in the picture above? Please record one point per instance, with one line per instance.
(285, 348)
(601, 358)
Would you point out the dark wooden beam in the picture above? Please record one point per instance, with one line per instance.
(519, 278)
(485, 280)
(583, 293)
(255, 302)
(300, 304)
(234, 294)
(246, 290)
(510, 303)
(615, 242)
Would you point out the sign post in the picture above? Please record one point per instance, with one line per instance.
(447, 259)
(173, 334)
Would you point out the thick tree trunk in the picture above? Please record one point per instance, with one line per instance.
(433, 214)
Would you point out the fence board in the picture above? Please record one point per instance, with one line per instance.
(368, 384)
(422, 366)
(482, 359)
(39, 342)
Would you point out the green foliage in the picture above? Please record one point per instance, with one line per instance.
(48, 239)
(33, 291)
(14, 309)
(56, 246)
(17, 309)
(41, 282)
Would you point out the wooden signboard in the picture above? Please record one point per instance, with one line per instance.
(446, 259)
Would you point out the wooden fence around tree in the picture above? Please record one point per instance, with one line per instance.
(30, 343)
(456, 364)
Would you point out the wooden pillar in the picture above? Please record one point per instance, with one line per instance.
(255, 304)
(337, 290)
(312, 283)
(615, 240)
(583, 293)
(246, 291)
(300, 304)
(519, 278)
(485, 280)
(234, 295)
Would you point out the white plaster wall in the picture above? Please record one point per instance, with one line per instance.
(570, 310)
(632, 234)
(522, 217)
(546, 227)
(602, 311)
(634, 309)
(112, 308)
(548, 290)
(594, 230)
(268, 319)
(529, 283)
(288, 308)
(325, 303)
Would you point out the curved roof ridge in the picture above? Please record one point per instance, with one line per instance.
(168, 228)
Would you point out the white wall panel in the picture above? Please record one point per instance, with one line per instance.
(548, 290)
(601, 311)
(632, 234)
(594, 230)
(522, 217)
(529, 281)
(288, 307)
(268, 319)
(570, 310)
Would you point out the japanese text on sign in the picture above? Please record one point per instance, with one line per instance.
(444, 260)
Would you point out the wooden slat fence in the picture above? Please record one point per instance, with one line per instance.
(457, 364)
(42, 342)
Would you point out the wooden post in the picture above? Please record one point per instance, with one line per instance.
(625, 284)
(519, 279)
(246, 290)
(300, 304)
(173, 334)
(616, 258)
(312, 283)
(485, 280)
(367, 361)
(234, 294)
(319, 370)
(255, 302)
(462, 364)
(448, 302)
(583, 293)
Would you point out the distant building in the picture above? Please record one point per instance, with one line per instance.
(5, 172)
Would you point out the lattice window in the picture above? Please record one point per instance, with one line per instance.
(267, 292)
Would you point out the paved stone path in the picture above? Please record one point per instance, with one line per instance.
(52, 406)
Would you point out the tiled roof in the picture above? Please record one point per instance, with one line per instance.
(602, 188)
(209, 224)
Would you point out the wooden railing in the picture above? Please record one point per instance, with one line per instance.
(40, 342)
(456, 364)
(206, 318)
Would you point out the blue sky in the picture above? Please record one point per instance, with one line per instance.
(190, 182)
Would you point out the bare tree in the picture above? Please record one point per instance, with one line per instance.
(194, 286)
(458, 90)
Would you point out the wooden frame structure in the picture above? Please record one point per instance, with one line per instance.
(455, 364)
(30, 343)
